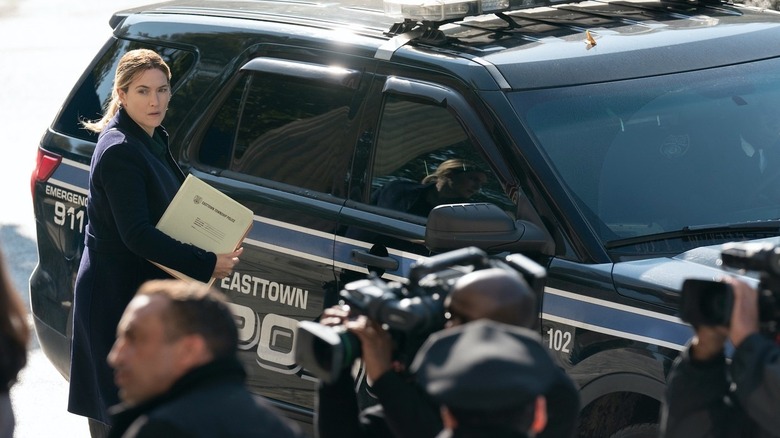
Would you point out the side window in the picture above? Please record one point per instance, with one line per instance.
(284, 129)
(425, 158)
(93, 93)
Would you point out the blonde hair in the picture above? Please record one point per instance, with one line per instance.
(131, 65)
(450, 167)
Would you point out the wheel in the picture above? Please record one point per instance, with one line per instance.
(644, 430)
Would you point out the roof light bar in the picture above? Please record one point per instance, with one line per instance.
(442, 10)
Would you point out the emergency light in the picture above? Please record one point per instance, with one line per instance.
(442, 10)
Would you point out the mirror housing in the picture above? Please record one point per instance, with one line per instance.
(486, 226)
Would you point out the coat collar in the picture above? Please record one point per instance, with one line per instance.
(123, 122)
(224, 370)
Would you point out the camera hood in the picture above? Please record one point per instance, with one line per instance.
(321, 350)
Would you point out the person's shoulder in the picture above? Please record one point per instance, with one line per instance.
(120, 130)
(268, 419)
(398, 187)
(111, 138)
(400, 184)
(149, 427)
(194, 413)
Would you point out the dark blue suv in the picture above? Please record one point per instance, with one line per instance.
(619, 143)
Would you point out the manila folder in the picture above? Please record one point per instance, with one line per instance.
(203, 216)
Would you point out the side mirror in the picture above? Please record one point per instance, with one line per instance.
(485, 226)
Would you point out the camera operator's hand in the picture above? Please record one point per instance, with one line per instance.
(744, 316)
(334, 316)
(377, 346)
(708, 342)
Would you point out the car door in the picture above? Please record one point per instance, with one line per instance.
(418, 127)
(280, 140)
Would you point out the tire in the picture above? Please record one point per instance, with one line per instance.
(643, 430)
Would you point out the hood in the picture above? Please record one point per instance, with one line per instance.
(659, 280)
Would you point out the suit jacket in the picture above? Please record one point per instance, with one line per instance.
(129, 189)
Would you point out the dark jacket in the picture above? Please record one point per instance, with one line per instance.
(129, 189)
(403, 410)
(715, 399)
(13, 357)
(210, 401)
(480, 433)
(405, 196)
(406, 411)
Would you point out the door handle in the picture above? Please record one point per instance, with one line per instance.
(366, 258)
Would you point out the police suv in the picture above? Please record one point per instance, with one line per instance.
(620, 143)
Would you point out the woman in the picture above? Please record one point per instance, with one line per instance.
(14, 334)
(454, 181)
(132, 179)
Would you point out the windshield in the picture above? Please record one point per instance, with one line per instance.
(655, 155)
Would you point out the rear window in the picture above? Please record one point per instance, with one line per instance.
(93, 93)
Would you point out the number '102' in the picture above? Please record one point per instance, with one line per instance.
(559, 340)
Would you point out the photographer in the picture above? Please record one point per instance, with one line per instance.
(399, 399)
(499, 392)
(709, 397)
(404, 409)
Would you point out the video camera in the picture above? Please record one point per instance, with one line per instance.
(704, 302)
(410, 310)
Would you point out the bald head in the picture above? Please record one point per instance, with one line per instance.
(495, 294)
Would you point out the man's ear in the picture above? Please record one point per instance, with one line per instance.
(540, 415)
(192, 351)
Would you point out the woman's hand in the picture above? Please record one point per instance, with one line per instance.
(226, 263)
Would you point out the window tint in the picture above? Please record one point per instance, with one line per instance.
(424, 158)
(93, 93)
(283, 129)
(217, 145)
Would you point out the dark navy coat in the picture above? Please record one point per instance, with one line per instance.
(210, 401)
(129, 189)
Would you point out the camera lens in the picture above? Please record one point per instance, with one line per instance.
(325, 351)
(716, 308)
(706, 302)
